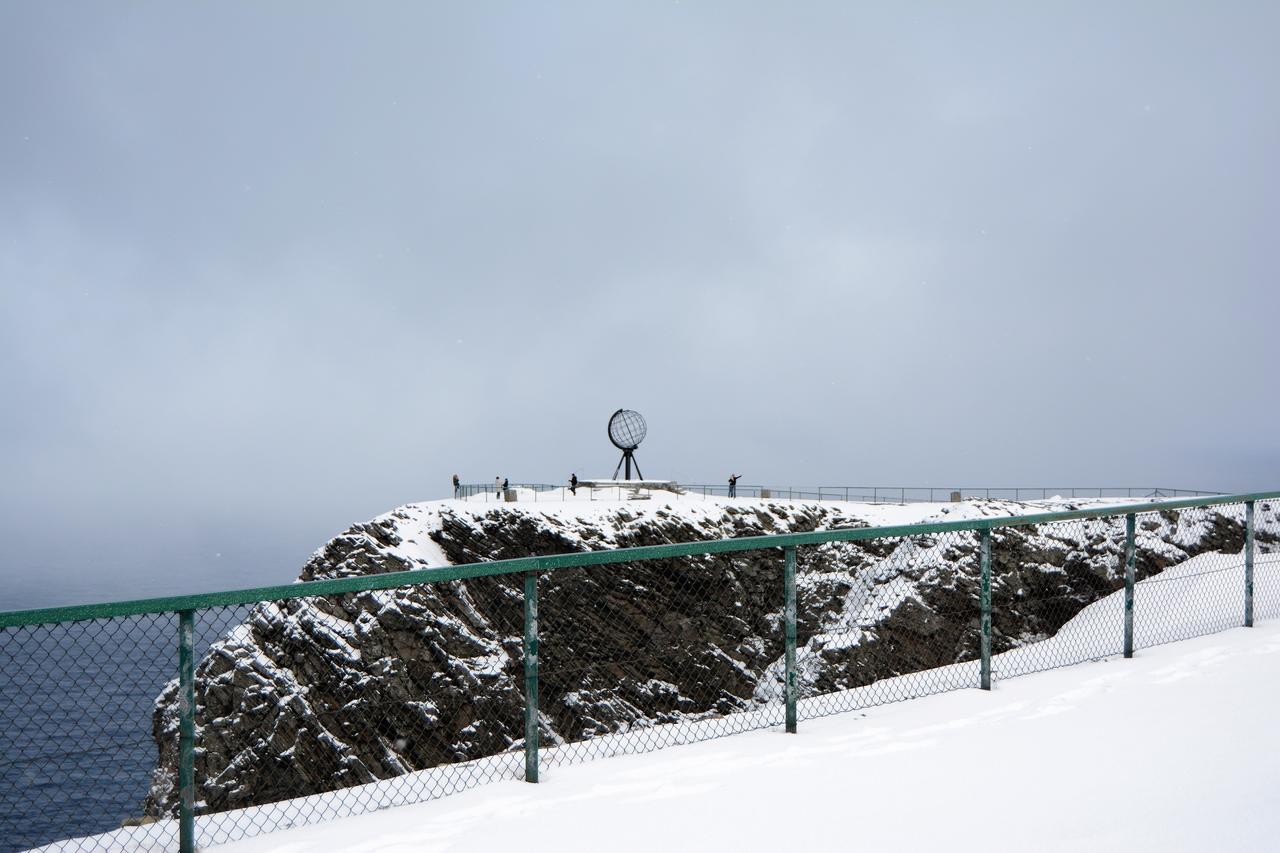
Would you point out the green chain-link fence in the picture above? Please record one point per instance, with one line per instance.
(301, 703)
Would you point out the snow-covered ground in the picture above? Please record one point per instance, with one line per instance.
(1176, 749)
(611, 496)
(415, 522)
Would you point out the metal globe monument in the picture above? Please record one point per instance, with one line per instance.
(626, 430)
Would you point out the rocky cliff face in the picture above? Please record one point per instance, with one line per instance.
(315, 694)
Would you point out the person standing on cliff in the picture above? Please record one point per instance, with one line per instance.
(457, 486)
(573, 483)
(733, 484)
(497, 484)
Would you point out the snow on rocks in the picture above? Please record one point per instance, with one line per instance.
(313, 695)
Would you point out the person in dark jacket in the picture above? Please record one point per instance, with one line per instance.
(573, 483)
(457, 486)
(506, 484)
(733, 484)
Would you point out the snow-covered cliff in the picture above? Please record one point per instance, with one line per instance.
(311, 695)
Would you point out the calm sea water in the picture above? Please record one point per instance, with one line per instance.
(76, 703)
(75, 725)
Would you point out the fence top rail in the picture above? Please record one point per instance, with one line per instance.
(391, 580)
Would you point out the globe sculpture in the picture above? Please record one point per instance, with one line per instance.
(626, 430)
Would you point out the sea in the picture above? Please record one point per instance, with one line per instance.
(76, 751)
(76, 705)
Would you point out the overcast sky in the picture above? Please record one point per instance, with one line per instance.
(270, 269)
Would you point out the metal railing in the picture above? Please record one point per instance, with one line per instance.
(860, 494)
(303, 702)
(927, 494)
(492, 492)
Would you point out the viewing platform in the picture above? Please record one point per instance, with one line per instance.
(598, 489)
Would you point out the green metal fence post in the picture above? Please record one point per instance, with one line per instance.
(985, 603)
(1130, 558)
(186, 733)
(1248, 564)
(531, 677)
(789, 620)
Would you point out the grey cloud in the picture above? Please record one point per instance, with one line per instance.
(268, 270)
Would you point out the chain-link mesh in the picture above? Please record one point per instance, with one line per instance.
(884, 620)
(1194, 578)
(315, 708)
(1054, 594)
(76, 746)
(638, 656)
(1266, 570)
(319, 707)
